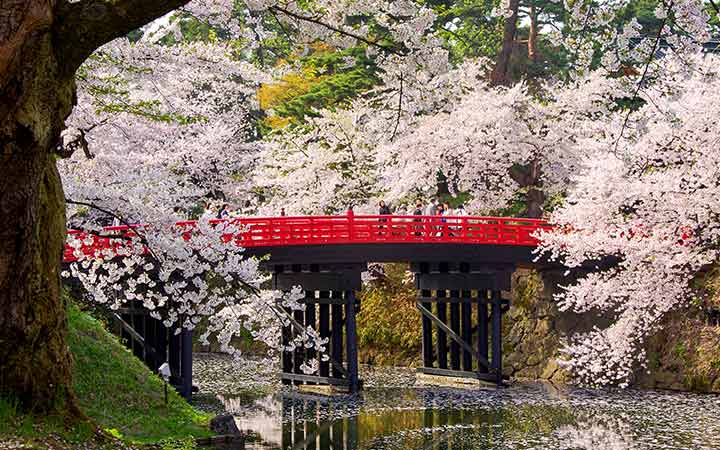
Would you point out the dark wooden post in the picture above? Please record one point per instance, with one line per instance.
(299, 317)
(310, 306)
(497, 335)
(186, 363)
(466, 328)
(351, 341)
(324, 330)
(336, 340)
(442, 347)
(287, 356)
(455, 326)
(427, 334)
(138, 323)
(483, 332)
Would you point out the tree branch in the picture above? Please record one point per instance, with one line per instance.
(360, 38)
(82, 27)
(399, 110)
(650, 59)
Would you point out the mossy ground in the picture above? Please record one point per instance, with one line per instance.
(115, 390)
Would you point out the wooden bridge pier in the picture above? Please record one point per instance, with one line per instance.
(330, 309)
(473, 328)
(153, 343)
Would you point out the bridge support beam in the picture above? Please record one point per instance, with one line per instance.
(153, 343)
(330, 309)
(474, 326)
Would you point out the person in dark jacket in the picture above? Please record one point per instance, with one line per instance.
(418, 211)
(384, 210)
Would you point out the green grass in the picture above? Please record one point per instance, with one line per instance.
(114, 389)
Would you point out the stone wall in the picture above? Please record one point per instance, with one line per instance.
(534, 327)
(685, 355)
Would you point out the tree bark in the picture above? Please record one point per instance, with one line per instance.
(528, 176)
(42, 42)
(533, 35)
(500, 75)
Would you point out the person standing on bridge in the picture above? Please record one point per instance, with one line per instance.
(418, 211)
(224, 212)
(383, 210)
(431, 208)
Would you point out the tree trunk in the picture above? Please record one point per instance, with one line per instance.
(42, 43)
(35, 364)
(500, 73)
(528, 176)
(533, 35)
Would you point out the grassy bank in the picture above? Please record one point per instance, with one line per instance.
(114, 389)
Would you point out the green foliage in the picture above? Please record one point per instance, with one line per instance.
(325, 79)
(178, 444)
(389, 323)
(468, 27)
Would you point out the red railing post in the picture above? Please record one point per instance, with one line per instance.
(351, 225)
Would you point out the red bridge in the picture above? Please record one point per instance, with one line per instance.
(268, 233)
(462, 265)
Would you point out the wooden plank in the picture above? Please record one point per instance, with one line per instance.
(483, 335)
(336, 334)
(442, 347)
(299, 354)
(497, 334)
(315, 378)
(287, 361)
(134, 334)
(351, 342)
(455, 326)
(324, 329)
(427, 338)
(458, 374)
(310, 316)
(466, 328)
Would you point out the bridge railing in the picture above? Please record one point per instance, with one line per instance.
(346, 229)
(284, 231)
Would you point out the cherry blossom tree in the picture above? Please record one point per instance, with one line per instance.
(650, 200)
(156, 142)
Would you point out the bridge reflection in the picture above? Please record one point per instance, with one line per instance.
(309, 422)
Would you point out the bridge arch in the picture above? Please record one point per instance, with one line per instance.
(462, 266)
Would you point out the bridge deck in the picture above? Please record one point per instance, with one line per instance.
(363, 238)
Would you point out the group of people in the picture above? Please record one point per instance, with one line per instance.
(433, 208)
(223, 211)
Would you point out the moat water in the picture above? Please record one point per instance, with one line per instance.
(393, 412)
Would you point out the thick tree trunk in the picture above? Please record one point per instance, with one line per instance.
(533, 35)
(500, 73)
(42, 43)
(35, 364)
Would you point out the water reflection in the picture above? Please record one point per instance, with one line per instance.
(446, 419)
